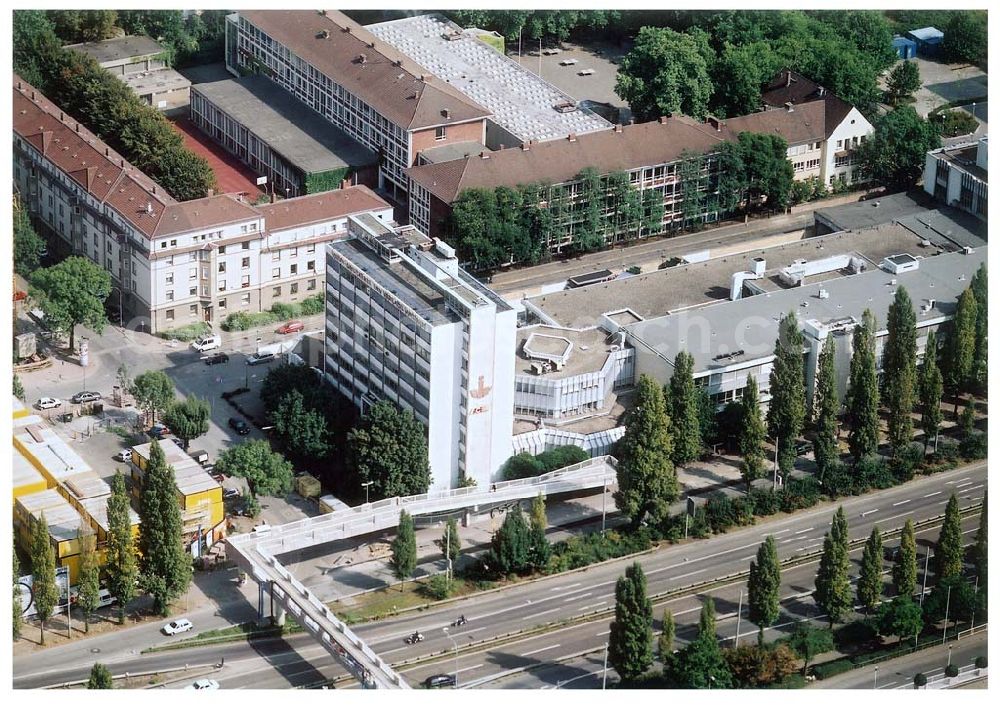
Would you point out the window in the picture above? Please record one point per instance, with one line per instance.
(294, 289)
(311, 265)
(173, 243)
(193, 273)
(275, 256)
(109, 248)
(245, 300)
(193, 292)
(294, 252)
(253, 227)
(193, 310)
(222, 249)
(311, 285)
(311, 248)
(246, 245)
(162, 244)
(246, 263)
(222, 267)
(170, 278)
(276, 292)
(222, 285)
(441, 133)
(170, 295)
(245, 282)
(170, 314)
(840, 144)
(243, 229)
(276, 273)
(295, 269)
(222, 303)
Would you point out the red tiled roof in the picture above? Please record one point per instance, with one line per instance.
(805, 123)
(394, 85)
(199, 214)
(319, 207)
(791, 87)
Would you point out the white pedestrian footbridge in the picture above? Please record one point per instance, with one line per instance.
(256, 553)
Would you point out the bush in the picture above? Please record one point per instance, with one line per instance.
(951, 670)
(437, 587)
(873, 472)
(764, 501)
(524, 465)
(186, 333)
(952, 123)
(284, 311)
(903, 466)
(974, 446)
(830, 669)
(577, 552)
(312, 305)
(947, 450)
(838, 479)
(799, 493)
(854, 635)
(981, 662)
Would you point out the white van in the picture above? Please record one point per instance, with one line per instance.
(207, 342)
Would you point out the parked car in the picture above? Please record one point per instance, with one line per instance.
(124, 455)
(207, 342)
(261, 358)
(239, 426)
(176, 627)
(439, 681)
(85, 397)
(291, 327)
(159, 431)
(200, 456)
(230, 493)
(49, 403)
(204, 685)
(569, 62)
(216, 358)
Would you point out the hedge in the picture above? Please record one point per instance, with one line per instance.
(186, 333)
(830, 669)
(282, 311)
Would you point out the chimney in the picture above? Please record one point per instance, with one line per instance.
(347, 28)
(822, 91)
(107, 151)
(446, 113)
(211, 192)
(631, 121)
(714, 122)
(61, 116)
(502, 146)
(790, 107)
(346, 183)
(78, 127)
(663, 120)
(154, 188)
(526, 146)
(571, 137)
(484, 155)
(324, 34)
(149, 207)
(362, 59)
(618, 128)
(371, 43)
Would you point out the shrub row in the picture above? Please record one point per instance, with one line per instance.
(243, 321)
(830, 669)
(524, 465)
(186, 333)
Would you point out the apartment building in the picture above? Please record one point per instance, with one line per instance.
(171, 263)
(357, 82)
(958, 176)
(406, 324)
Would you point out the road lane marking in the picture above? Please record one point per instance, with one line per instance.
(540, 649)
(748, 558)
(975, 487)
(466, 669)
(594, 605)
(869, 512)
(692, 573)
(544, 612)
(901, 502)
(563, 588)
(576, 598)
(803, 531)
(962, 485)
(602, 634)
(931, 495)
(788, 529)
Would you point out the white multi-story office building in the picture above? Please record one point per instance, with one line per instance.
(406, 324)
(171, 263)
(959, 176)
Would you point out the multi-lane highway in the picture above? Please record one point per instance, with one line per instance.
(565, 597)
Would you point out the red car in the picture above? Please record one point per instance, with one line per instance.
(291, 327)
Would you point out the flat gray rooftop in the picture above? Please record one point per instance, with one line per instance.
(156, 81)
(948, 227)
(874, 212)
(591, 347)
(751, 324)
(449, 153)
(119, 48)
(658, 293)
(520, 101)
(290, 128)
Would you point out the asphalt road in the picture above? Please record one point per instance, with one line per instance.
(557, 598)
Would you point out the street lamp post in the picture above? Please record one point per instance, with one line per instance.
(604, 679)
(366, 485)
(949, 654)
(604, 506)
(944, 635)
(875, 686)
(774, 484)
(923, 589)
(455, 646)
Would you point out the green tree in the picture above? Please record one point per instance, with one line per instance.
(751, 434)
(28, 245)
(665, 643)
(164, 564)
(44, 590)
(303, 431)
(540, 548)
(18, 388)
(706, 416)
(826, 405)
(980, 358)
(34, 43)
(904, 566)
(965, 37)
(871, 33)
(71, 293)
(894, 154)
(899, 360)
(389, 448)
(768, 172)
(959, 347)
(870, 578)
(188, 419)
(404, 548)
(738, 75)
(786, 411)
(980, 555)
(901, 617)
(120, 558)
(450, 542)
(763, 586)
(267, 472)
(701, 665)
(18, 609)
(630, 644)
(511, 545)
(833, 583)
(862, 391)
(931, 389)
(967, 421)
(903, 80)
(153, 392)
(89, 577)
(665, 73)
(100, 677)
(809, 641)
(685, 427)
(949, 551)
(647, 480)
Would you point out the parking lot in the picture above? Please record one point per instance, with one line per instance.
(947, 83)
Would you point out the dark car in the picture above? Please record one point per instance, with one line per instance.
(159, 431)
(216, 358)
(239, 426)
(439, 681)
(260, 358)
(85, 397)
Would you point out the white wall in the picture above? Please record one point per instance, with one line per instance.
(853, 125)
